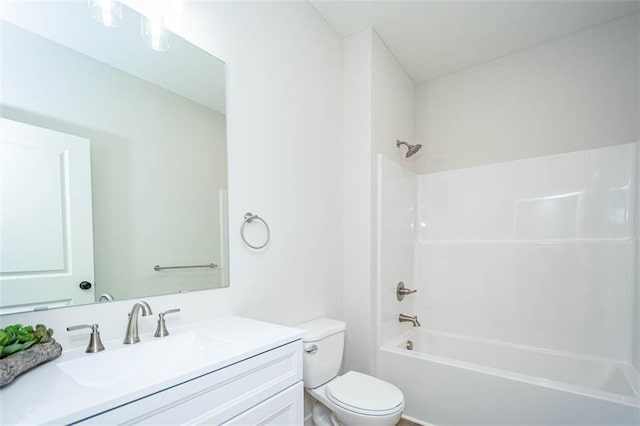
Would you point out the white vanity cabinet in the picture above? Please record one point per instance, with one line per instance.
(264, 389)
(226, 370)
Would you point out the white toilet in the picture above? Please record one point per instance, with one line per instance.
(351, 399)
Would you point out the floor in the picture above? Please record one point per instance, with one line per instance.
(404, 422)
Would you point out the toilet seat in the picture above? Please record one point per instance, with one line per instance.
(363, 394)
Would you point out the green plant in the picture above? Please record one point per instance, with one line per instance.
(15, 338)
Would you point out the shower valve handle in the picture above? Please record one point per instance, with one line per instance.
(402, 291)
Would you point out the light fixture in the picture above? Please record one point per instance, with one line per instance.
(107, 12)
(156, 16)
(154, 33)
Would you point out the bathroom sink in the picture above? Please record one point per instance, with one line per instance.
(144, 363)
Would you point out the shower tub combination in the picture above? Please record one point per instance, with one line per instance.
(525, 288)
(450, 379)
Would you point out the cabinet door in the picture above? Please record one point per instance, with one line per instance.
(46, 248)
(285, 408)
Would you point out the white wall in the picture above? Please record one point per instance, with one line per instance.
(636, 337)
(379, 108)
(284, 116)
(356, 199)
(575, 92)
(393, 106)
(538, 252)
(156, 158)
(636, 320)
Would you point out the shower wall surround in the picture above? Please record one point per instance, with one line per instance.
(523, 269)
(538, 252)
(396, 208)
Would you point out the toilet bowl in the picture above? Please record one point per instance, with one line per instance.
(358, 399)
(351, 399)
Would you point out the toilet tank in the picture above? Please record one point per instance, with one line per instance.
(323, 344)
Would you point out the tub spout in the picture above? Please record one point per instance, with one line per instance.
(411, 319)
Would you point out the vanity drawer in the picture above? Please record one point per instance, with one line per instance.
(215, 397)
(285, 408)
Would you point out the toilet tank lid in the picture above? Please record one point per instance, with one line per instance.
(320, 328)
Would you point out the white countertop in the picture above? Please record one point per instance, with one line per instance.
(48, 395)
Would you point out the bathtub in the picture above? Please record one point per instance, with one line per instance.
(449, 379)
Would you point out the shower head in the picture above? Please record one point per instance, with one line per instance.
(412, 149)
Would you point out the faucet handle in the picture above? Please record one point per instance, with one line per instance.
(95, 344)
(402, 291)
(161, 330)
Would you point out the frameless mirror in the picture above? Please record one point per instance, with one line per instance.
(112, 161)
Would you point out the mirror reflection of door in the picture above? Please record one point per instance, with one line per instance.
(46, 244)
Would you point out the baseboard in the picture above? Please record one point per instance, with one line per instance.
(412, 420)
(308, 420)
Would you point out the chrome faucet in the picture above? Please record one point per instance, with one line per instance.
(407, 318)
(131, 335)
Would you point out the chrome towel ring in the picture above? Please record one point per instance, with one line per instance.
(248, 218)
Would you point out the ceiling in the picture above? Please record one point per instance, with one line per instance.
(435, 38)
